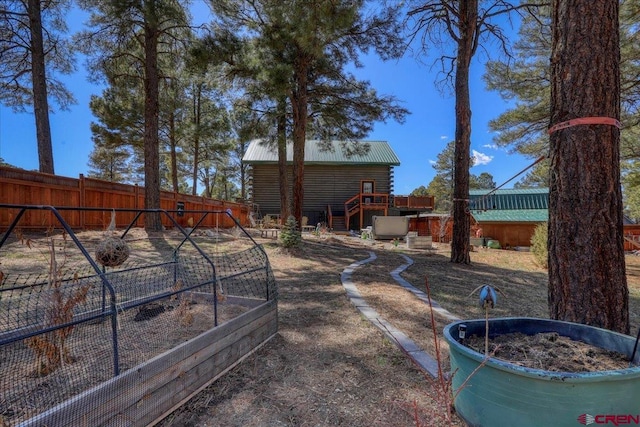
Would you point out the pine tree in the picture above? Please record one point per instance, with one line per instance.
(33, 50)
(484, 181)
(290, 234)
(468, 24)
(298, 51)
(587, 279)
(442, 185)
(525, 78)
(119, 30)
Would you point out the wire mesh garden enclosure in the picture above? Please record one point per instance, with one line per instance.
(117, 327)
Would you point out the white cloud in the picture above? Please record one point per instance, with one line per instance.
(480, 158)
(491, 146)
(444, 137)
(432, 162)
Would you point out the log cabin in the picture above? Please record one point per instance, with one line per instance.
(343, 188)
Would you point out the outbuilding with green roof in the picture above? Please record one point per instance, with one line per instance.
(509, 216)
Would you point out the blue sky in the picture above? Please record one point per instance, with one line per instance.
(417, 142)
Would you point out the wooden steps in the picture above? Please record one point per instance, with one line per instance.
(338, 224)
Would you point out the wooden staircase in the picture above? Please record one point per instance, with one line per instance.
(358, 204)
(339, 224)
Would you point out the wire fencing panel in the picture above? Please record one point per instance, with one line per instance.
(48, 353)
(246, 273)
(65, 328)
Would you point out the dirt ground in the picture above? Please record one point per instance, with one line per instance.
(329, 366)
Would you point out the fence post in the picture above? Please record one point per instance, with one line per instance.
(82, 201)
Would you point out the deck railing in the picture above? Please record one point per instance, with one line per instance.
(417, 202)
(365, 201)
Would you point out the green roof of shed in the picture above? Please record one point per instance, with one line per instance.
(510, 205)
(518, 215)
(380, 153)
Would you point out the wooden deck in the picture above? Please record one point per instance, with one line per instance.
(362, 202)
(414, 202)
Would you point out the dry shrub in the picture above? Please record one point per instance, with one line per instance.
(184, 315)
(50, 349)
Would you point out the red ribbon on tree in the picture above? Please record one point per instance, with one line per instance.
(585, 121)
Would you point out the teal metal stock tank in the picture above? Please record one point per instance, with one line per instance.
(500, 393)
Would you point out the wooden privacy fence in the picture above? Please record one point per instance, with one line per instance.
(20, 187)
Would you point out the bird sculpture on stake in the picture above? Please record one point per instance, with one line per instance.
(488, 300)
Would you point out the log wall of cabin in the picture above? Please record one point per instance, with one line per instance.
(323, 185)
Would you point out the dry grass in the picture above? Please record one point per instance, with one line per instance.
(328, 366)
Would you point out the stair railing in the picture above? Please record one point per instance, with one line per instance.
(351, 207)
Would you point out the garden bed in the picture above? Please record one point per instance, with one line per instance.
(148, 391)
(126, 343)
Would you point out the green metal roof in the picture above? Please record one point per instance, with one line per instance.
(517, 215)
(380, 153)
(510, 205)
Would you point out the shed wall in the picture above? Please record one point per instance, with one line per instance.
(519, 234)
(511, 234)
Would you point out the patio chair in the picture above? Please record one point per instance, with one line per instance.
(304, 226)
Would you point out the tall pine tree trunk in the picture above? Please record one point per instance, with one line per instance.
(196, 137)
(299, 102)
(587, 280)
(243, 172)
(461, 228)
(173, 144)
(207, 181)
(39, 82)
(283, 180)
(151, 112)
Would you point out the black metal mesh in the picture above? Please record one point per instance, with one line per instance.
(245, 274)
(66, 330)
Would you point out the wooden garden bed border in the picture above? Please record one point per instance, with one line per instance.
(145, 394)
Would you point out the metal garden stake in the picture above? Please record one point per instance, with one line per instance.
(488, 299)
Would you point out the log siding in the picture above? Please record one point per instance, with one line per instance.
(323, 185)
